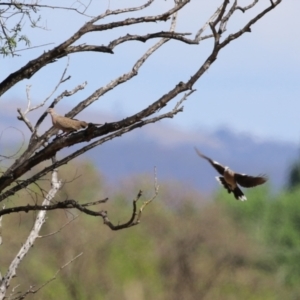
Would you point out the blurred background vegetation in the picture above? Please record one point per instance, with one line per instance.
(187, 246)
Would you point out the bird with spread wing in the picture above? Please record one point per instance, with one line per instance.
(230, 179)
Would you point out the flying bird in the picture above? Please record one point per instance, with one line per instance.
(230, 179)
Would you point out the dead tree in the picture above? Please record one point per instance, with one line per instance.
(42, 147)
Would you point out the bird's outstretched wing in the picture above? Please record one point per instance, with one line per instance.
(215, 164)
(249, 181)
(223, 182)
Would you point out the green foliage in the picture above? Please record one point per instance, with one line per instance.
(245, 213)
(12, 19)
(294, 176)
(274, 221)
(184, 247)
(10, 38)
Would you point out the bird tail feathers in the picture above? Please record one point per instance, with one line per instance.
(238, 194)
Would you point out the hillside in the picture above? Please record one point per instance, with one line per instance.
(172, 152)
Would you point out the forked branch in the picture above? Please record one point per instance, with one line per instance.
(40, 219)
(62, 50)
(32, 290)
(73, 204)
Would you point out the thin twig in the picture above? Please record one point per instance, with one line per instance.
(33, 291)
(15, 154)
(111, 136)
(33, 47)
(61, 80)
(40, 219)
(60, 229)
(3, 207)
(156, 188)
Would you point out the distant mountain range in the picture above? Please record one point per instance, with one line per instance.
(172, 152)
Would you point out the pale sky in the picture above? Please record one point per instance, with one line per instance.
(253, 87)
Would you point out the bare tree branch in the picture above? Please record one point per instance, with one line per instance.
(156, 188)
(60, 229)
(29, 108)
(54, 102)
(40, 219)
(247, 27)
(118, 133)
(136, 217)
(243, 9)
(69, 204)
(3, 207)
(203, 28)
(35, 65)
(36, 144)
(224, 20)
(33, 47)
(31, 290)
(59, 205)
(129, 37)
(34, 6)
(44, 147)
(124, 10)
(31, 158)
(15, 154)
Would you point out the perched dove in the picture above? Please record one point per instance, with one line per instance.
(64, 123)
(230, 179)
